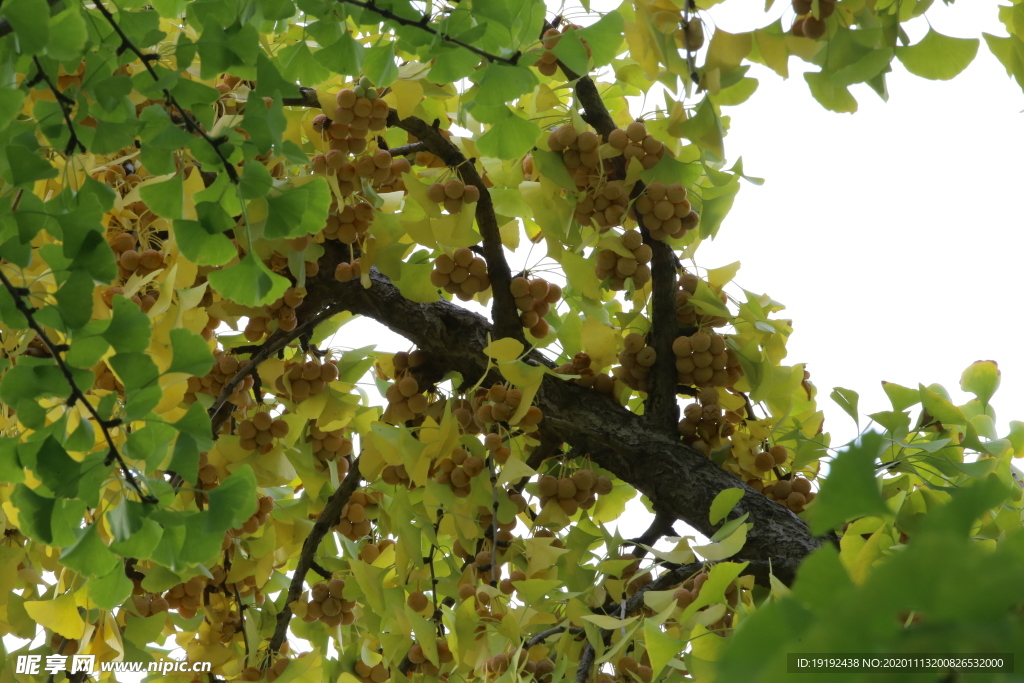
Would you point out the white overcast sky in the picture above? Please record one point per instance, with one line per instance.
(893, 235)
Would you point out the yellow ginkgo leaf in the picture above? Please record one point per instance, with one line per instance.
(504, 350)
(59, 615)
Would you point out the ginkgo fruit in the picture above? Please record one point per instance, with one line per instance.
(665, 211)
(417, 601)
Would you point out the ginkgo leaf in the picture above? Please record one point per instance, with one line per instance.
(938, 57)
(59, 615)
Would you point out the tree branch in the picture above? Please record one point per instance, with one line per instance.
(423, 25)
(328, 518)
(411, 148)
(77, 395)
(65, 103)
(678, 480)
(544, 635)
(503, 312)
(661, 407)
(277, 341)
(191, 124)
(661, 526)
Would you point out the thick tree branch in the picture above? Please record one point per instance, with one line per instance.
(328, 518)
(678, 480)
(661, 407)
(424, 25)
(77, 395)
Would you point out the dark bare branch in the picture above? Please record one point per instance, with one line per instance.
(328, 518)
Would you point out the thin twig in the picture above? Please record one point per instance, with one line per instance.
(277, 341)
(65, 103)
(322, 571)
(76, 393)
(544, 635)
(424, 25)
(191, 124)
(495, 564)
(241, 619)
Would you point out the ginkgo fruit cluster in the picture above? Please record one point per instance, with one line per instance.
(665, 211)
(613, 265)
(347, 272)
(703, 360)
(499, 403)
(635, 142)
(355, 516)
(793, 493)
(686, 312)
(463, 274)
(282, 310)
(704, 425)
(534, 299)
(265, 505)
(636, 359)
(773, 457)
(213, 382)
(602, 382)
(457, 470)
(302, 379)
(348, 223)
(333, 445)
(581, 155)
(405, 396)
(423, 665)
(328, 604)
(606, 205)
(378, 673)
(548, 62)
(575, 492)
(453, 194)
(807, 25)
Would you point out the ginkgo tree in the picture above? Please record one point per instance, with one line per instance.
(198, 456)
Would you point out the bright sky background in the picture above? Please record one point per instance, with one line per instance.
(893, 235)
